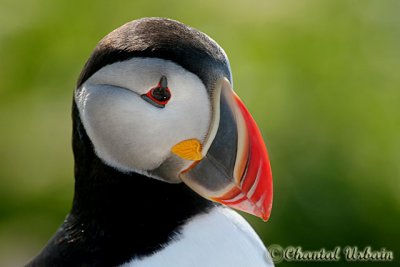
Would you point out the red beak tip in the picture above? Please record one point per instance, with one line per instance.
(265, 216)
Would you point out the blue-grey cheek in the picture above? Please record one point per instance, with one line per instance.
(169, 170)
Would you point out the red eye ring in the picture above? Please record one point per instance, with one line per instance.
(159, 95)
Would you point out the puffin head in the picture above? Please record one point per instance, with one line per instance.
(156, 98)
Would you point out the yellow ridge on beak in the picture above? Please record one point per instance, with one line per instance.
(188, 149)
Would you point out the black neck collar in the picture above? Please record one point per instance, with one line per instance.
(116, 216)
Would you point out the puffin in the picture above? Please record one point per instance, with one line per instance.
(163, 149)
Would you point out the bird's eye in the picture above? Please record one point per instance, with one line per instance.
(159, 95)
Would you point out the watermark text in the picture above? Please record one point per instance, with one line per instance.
(348, 253)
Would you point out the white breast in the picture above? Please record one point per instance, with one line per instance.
(219, 238)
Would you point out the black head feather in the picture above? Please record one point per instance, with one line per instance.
(161, 38)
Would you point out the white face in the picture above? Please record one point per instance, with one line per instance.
(131, 134)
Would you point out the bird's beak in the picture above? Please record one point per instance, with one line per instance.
(232, 166)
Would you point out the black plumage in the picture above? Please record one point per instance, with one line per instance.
(116, 216)
(165, 39)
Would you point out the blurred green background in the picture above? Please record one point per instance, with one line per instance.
(322, 79)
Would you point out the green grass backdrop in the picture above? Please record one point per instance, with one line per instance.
(322, 79)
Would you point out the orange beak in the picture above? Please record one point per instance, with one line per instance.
(234, 168)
